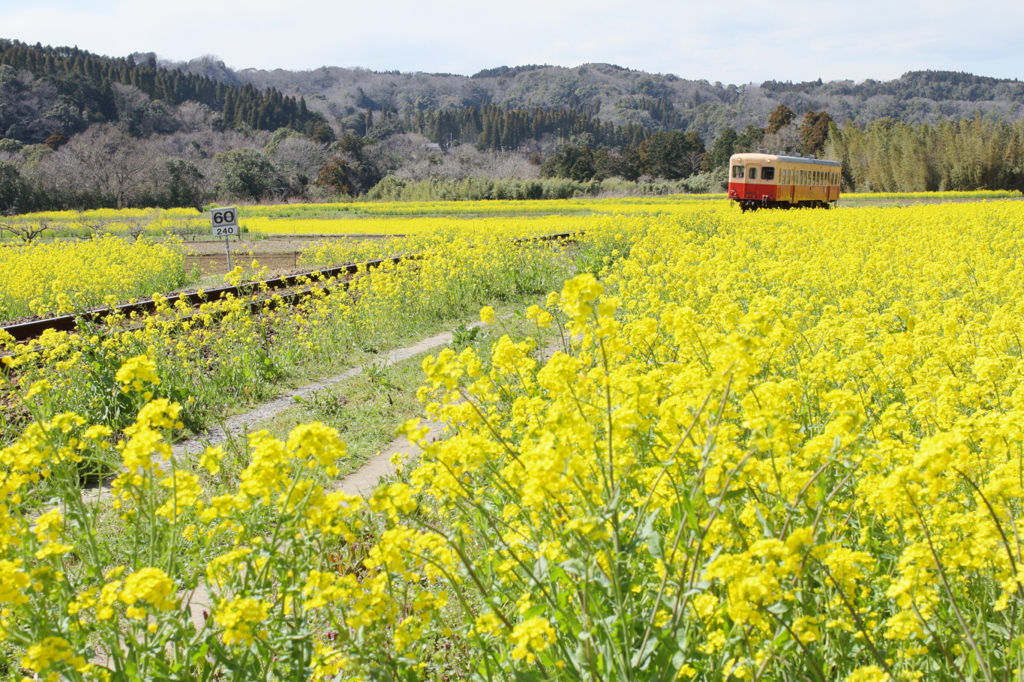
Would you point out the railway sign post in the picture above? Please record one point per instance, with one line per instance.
(225, 224)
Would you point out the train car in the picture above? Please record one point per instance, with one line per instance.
(783, 181)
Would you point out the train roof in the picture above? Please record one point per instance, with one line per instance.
(785, 158)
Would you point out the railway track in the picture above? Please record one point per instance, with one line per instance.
(26, 331)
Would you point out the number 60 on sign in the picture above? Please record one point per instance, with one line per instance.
(224, 221)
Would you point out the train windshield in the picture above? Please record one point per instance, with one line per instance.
(768, 173)
(737, 171)
(752, 173)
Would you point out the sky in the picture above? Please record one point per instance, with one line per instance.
(729, 41)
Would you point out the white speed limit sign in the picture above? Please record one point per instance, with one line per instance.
(224, 221)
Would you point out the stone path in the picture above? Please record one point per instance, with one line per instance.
(240, 424)
(363, 480)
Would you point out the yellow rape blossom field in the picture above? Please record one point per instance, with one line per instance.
(777, 446)
(373, 217)
(64, 277)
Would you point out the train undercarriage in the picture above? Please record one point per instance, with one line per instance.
(754, 204)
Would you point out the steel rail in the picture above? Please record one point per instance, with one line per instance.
(25, 331)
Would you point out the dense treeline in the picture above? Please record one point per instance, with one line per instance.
(495, 128)
(83, 85)
(890, 156)
(482, 189)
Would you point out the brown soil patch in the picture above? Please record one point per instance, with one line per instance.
(279, 255)
(216, 264)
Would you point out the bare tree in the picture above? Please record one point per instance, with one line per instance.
(299, 159)
(413, 157)
(128, 99)
(785, 139)
(25, 231)
(94, 226)
(112, 161)
(137, 226)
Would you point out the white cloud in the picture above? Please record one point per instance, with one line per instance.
(735, 41)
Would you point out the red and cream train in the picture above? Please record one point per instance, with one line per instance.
(783, 181)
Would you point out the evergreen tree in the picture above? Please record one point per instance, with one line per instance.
(575, 163)
(723, 148)
(749, 140)
(814, 132)
(780, 117)
(56, 140)
(671, 155)
(14, 192)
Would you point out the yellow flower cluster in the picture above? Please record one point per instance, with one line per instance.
(351, 218)
(772, 446)
(235, 349)
(266, 585)
(65, 277)
(372, 217)
(782, 445)
(514, 226)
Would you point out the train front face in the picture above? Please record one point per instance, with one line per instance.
(752, 178)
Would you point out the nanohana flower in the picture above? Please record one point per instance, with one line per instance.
(138, 371)
(241, 619)
(531, 637)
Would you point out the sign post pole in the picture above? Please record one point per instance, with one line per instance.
(225, 224)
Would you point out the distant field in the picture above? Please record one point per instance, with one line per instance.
(348, 218)
(393, 217)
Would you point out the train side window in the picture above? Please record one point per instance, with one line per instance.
(768, 173)
(737, 171)
(752, 173)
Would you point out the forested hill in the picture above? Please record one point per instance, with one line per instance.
(46, 89)
(621, 95)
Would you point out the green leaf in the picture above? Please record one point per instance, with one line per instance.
(523, 676)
